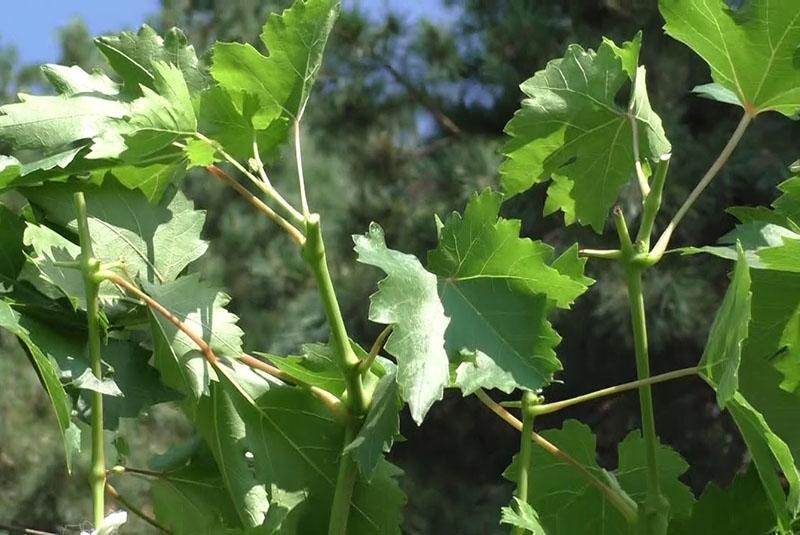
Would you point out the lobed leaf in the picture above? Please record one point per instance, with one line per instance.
(752, 51)
(282, 81)
(289, 424)
(498, 289)
(408, 299)
(571, 130)
(564, 499)
(201, 308)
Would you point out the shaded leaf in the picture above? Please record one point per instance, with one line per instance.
(202, 309)
(740, 508)
(719, 365)
(290, 424)
(48, 374)
(381, 425)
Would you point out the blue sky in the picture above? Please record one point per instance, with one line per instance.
(31, 25)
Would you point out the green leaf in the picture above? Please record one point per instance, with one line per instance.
(73, 80)
(571, 129)
(408, 299)
(316, 367)
(126, 364)
(291, 425)
(770, 454)
(53, 122)
(281, 81)
(380, 427)
(193, 499)
(497, 290)
(523, 517)
(10, 168)
(132, 56)
(200, 153)
(740, 508)
(561, 496)
(775, 325)
(49, 376)
(13, 257)
(53, 280)
(632, 476)
(201, 308)
(156, 242)
(161, 115)
(718, 93)
(153, 180)
(751, 51)
(564, 499)
(719, 365)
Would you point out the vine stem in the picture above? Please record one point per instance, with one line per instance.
(547, 408)
(656, 507)
(345, 483)
(298, 156)
(266, 187)
(525, 452)
(377, 345)
(258, 204)
(620, 502)
(663, 241)
(349, 365)
(334, 404)
(112, 492)
(89, 268)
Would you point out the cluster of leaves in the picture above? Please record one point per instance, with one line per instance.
(475, 316)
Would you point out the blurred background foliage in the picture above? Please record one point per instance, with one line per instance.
(406, 122)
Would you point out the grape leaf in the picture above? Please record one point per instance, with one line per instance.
(564, 499)
(13, 257)
(153, 180)
(10, 168)
(316, 367)
(497, 290)
(561, 496)
(523, 517)
(199, 153)
(49, 248)
(571, 129)
(74, 80)
(751, 51)
(160, 116)
(408, 299)
(192, 498)
(381, 425)
(291, 425)
(49, 376)
(740, 508)
(770, 454)
(132, 57)
(719, 365)
(53, 122)
(281, 81)
(632, 477)
(138, 382)
(202, 309)
(156, 242)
